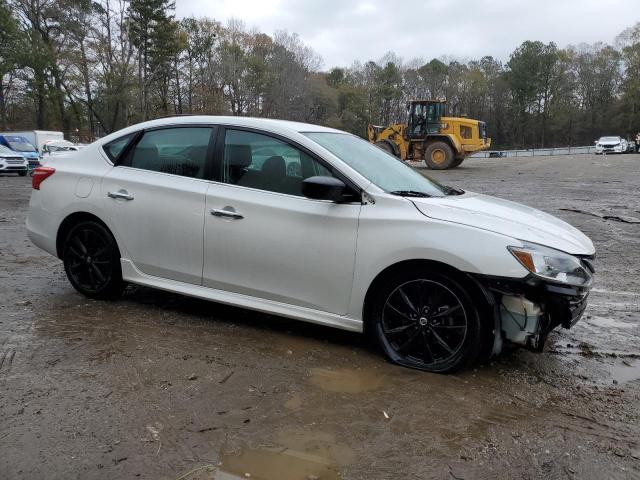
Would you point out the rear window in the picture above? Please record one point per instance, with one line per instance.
(114, 148)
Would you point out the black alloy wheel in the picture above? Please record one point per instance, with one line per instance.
(428, 321)
(92, 260)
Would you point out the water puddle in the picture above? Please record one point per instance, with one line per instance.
(347, 380)
(275, 464)
(608, 322)
(625, 371)
(319, 444)
(294, 403)
(299, 455)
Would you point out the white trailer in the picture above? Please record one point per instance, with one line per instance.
(38, 137)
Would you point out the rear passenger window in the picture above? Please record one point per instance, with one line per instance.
(114, 148)
(266, 163)
(178, 151)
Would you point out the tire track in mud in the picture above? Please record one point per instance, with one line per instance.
(6, 360)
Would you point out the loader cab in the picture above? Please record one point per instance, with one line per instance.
(424, 118)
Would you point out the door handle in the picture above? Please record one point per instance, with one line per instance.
(226, 213)
(123, 194)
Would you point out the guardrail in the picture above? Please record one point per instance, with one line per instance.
(536, 151)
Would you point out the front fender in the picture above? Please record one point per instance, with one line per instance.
(393, 231)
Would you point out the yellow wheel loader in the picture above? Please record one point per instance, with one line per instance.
(442, 142)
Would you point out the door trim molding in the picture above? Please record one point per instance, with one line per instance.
(131, 274)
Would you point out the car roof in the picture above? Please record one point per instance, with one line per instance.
(269, 124)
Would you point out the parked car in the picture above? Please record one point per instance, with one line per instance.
(12, 162)
(38, 138)
(631, 146)
(349, 237)
(611, 145)
(497, 154)
(21, 146)
(60, 148)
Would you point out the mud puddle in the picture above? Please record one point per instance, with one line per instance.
(348, 380)
(625, 371)
(300, 455)
(275, 464)
(608, 322)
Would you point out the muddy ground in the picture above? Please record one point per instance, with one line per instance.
(160, 386)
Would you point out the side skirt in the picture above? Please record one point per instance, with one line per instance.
(131, 274)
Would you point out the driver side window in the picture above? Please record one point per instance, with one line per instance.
(259, 161)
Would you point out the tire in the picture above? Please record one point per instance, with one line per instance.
(426, 320)
(92, 260)
(457, 162)
(23, 174)
(439, 156)
(386, 147)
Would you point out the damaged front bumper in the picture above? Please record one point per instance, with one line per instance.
(526, 310)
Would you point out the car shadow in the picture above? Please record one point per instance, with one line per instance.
(256, 321)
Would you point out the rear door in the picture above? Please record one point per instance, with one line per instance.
(155, 198)
(263, 238)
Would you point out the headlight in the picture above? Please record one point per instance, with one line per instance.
(552, 264)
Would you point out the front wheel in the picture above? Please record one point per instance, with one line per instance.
(427, 321)
(92, 260)
(23, 174)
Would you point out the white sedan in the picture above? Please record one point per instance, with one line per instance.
(313, 224)
(611, 145)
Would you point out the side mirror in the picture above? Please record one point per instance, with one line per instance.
(326, 188)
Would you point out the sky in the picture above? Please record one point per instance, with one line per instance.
(344, 31)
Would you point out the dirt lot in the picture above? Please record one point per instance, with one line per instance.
(161, 386)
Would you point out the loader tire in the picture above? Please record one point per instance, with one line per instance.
(439, 156)
(457, 162)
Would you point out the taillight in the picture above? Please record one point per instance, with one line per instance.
(40, 174)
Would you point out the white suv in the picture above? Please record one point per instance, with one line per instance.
(313, 224)
(12, 162)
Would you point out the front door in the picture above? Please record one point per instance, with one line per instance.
(264, 239)
(155, 199)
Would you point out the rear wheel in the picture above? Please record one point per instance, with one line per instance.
(386, 147)
(457, 162)
(92, 260)
(439, 156)
(427, 321)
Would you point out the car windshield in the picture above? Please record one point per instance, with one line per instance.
(19, 144)
(6, 151)
(373, 163)
(610, 139)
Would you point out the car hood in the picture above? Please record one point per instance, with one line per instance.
(507, 218)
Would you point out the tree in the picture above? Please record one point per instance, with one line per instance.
(153, 33)
(10, 46)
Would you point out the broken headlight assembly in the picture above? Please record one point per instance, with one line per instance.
(553, 265)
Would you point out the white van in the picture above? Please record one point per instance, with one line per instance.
(38, 138)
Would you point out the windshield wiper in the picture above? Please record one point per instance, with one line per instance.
(452, 190)
(410, 193)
